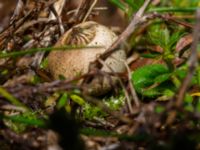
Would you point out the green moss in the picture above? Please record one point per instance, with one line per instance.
(113, 103)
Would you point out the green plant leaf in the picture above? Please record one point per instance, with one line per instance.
(174, 9)
(160, 37)
(159, 109)
(77, 99)
(16, 53)
(151, 75)
(12, 99)
(130, 2)
(162, 78)
(119, 4)
(188, 103)
(134, 4)
(182, 72)
(62, 101)
(150, 55)
(20, 122)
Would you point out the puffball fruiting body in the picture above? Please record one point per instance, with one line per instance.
(71, 63)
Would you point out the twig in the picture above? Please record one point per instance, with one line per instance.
(74, 11)
(133, 92)
(89, 11)
(12, 29)
(192, 62)
(56, 10)
(18, 10)
(136, 20)
(78, 9)
(27, 25)
(167, 17)
(9, 107)
(82, 11)
(127, 97)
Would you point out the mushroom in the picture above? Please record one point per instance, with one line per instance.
(71, 63)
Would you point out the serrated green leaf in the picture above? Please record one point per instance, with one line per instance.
(182, 72)
(147, 76)
(162, 78)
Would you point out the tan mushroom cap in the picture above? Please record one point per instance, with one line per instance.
(71, 63)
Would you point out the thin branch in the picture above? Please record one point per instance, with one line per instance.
(133, 92)
(128, 99)
(18, 10)
(82, 10)
(31, 23)
(136, 20)
(121, 83)
(167, 17)
(90, 10)
(192, 62)
(56, 11)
